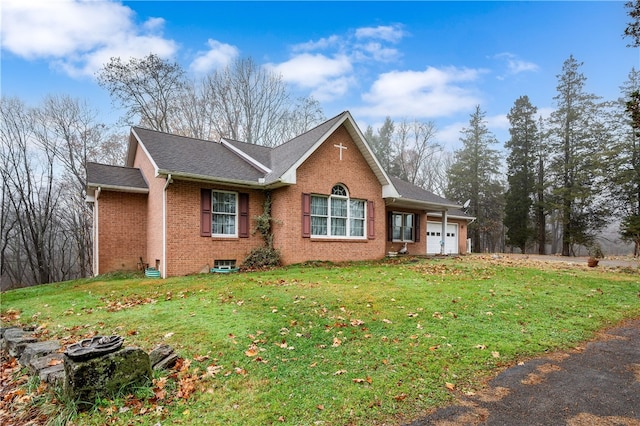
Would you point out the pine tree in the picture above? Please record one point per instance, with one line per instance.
(521, 173)
(624, 160)
(576, 146)
(381, 143)
(473, 176)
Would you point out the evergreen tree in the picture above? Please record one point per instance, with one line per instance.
(624, 160)
(541, 188)
(381, 143)
(521, 173)
(576, 145)
(473, 176)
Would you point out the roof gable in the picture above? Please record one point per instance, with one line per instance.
(286, 158)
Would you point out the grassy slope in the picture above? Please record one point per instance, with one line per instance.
(368, 343)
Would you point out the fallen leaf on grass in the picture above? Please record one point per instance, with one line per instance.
(449, 386)
(252, 351)
(336, 342)
(201, 358)
(212, 370)
(339, 372)
(400, 397)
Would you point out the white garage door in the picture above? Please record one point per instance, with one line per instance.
(434, 236)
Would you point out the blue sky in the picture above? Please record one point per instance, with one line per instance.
(431, 61)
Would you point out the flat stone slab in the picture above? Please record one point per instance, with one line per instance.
(37, 364)
(159, 354)
(32, 351)
(167, 362)
(54, 374)
(16, 340)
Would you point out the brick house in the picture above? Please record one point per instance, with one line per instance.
(184, 205)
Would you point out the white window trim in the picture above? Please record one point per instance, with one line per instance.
(236, 215)
(348, 218)
(413, 231)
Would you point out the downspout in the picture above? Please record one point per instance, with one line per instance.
(164, 226)
(96, 233)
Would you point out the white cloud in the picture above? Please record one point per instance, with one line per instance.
(390, 33)
(497, 122)
(449, 136)
(421, 94)
(515, 65)
(323, 43)
(79, 36)
(219, 55)
(324, 75)
(375, 51)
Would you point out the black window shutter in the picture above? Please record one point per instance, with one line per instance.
(243, 220)
(417, 228)
(205, 212)
(390, 226)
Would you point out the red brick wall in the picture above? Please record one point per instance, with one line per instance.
(417, 248)
(462, 234)
(318, 174)
(122, 230)
(154, 208)
(187, 251)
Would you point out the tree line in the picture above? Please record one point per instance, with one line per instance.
(567, 175)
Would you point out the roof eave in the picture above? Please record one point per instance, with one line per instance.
(210, 179)
(451, 216)
(119, 188)
(419, 204)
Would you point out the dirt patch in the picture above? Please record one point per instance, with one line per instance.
(587, 419)
(562, 262)
(540, 374)
(635, 369)
(493, 394)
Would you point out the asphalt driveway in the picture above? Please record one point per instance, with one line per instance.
(597, 384)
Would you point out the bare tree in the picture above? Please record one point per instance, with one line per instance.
(146, 88)
(70, 129)
(30, 193)
(305, 114)
(415, 148)
(247, 103)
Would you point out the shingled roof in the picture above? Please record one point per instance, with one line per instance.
(410, 193)
(127, 179)
(242, 163)
(195, 158)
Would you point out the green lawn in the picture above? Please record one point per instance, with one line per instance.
(357, 343)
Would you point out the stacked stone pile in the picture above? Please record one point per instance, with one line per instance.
(90, 376)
